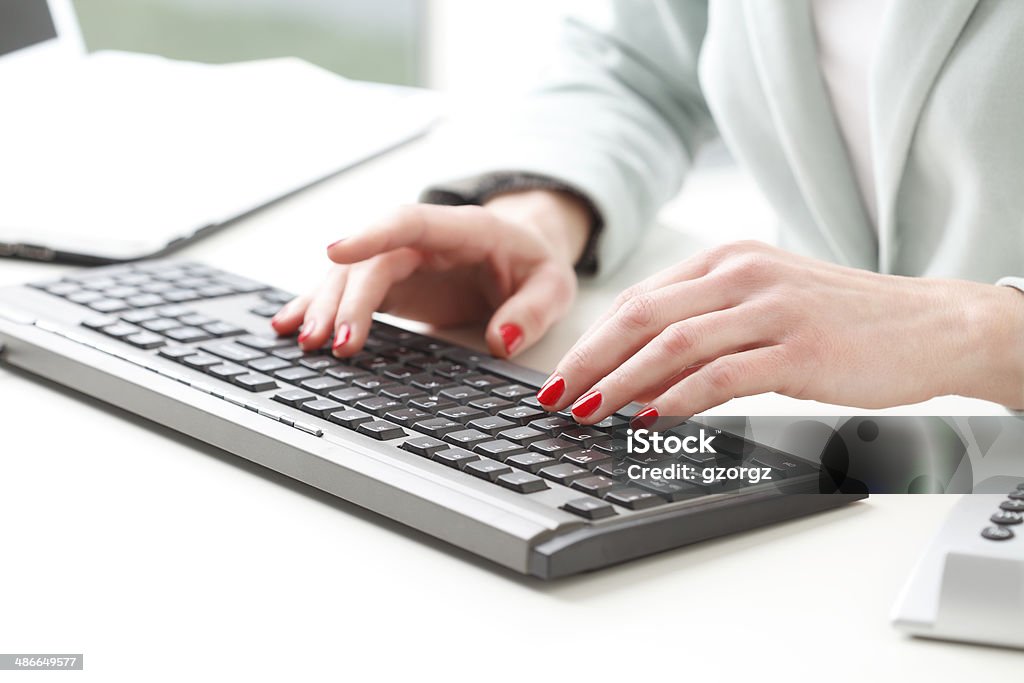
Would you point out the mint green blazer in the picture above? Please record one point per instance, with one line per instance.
(640, 85)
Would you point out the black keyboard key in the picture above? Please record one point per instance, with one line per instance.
(670, 489)
(397, 373)
(531, 462)
(372, 383)
(294, 374)
(522, 482)
(782, 466)
(350, 419)
(633, 498)
(583, 437)
(450, 370)
(553, 448)
(269, 364)
(430, 383)
(461, 394)
(466, 438)
(499, 449)
(613, 469)
(616, 448)
(321, 407)
(554, 425)
(378, 405)
(595, 485)
(437, 427)
(294, 397)
(346, 373)
(321, 385)
(524, 436)
(402, 393)
(424, 446)
(254, 381)
(430, 404)
(521, 415)
(483, 382)
(226, 371)
(611, 423)
(531, 401)
(491, 404)
(231, 351)
(485, 468)
(587, 458)
(461, 413)
(511, 392)
(265, 310)
(407, 417)
(563, 473)
(187, 334)
(381, 430)
(319, 363)
(590, 508)
(454, 457)
(289, 353)
(350, 395)
(491, 424)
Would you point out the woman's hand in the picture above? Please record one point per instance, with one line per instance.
(748, 318)
(511, 260)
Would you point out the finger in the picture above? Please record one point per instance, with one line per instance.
(627, 331)
(679, 346)
(368, 285)
(526, 315)
(287, 320)
(318, 322)
(692, 268)
(723, 379)
(468, 229)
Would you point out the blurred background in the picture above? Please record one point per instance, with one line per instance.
(457, 46)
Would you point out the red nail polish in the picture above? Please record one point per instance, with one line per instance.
(645, 418)
(341, 337)
(586, 404)
(337, 242)
(307, 329)
(512, 335)
(551, 391)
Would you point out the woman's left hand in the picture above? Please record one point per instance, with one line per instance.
(748, 318)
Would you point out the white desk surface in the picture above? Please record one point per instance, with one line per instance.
(161, 558)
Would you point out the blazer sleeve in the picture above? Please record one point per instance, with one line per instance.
(617, 119)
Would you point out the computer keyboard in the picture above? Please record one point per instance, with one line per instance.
(440, 437)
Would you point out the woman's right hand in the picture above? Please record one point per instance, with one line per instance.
(510, 260)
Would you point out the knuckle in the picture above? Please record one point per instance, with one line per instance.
(626, 295)
(680, 338)
(722, 376)
(578, 360)
(640, 311)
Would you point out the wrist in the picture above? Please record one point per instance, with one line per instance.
(994, 325)
(562, 220)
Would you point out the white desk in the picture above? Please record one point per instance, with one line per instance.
(163, 559)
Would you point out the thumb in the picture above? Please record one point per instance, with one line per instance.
(526, 315)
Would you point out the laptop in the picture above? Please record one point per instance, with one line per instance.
(439, 437)
(116, 156)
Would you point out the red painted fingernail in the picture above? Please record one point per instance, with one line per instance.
(336, 243)
(307, 329)
(341, 336)
(552, 390)
(645, 418)
(512, 335)
(586, 404)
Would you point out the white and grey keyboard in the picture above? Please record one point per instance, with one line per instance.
(436, 436)
(969, 584)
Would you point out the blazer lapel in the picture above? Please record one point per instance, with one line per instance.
(782, 37)
(916, 39)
